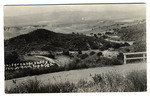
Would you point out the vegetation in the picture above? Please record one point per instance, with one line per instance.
(136, 33)
(109, 82)
(83, 56)
(11, 57)
(92, 53)
(45, 40)
(99, 54)
(131, 33)
(80, 62)
(66, 52)
(51, 55)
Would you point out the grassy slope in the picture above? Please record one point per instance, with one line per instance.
(108, 82)
(133, 33)
(136, 33)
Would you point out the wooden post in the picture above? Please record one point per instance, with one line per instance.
(124, 59)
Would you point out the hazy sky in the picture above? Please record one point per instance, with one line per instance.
(25, 10)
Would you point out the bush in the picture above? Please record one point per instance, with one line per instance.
(73, 64)
(51, 55)
(139, 80)
(99, 54)
(120, 56)
(83, 56)
(79, 52)
(116, 45)
(92, 53)
(127, 50)
(76, 64)
(66, 52)
(108, 61)
(36, 86)
(126, 44)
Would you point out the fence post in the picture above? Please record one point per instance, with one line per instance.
(124, 58)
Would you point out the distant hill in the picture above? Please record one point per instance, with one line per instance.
(42, 39)
(136, 33)
(133, 33)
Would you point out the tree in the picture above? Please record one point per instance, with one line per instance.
(51, 54)
(91, 34)
(79, 51)
(66, 52)
(95, 35)
(92, 53)
(99, 34)
(99, 54)
(120, 56)
(73, 32)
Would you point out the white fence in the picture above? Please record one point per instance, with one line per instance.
(134, 58)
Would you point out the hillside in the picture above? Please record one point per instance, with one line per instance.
(45, 40)
(135, 33)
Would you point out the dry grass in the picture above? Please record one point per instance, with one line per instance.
(108, 82)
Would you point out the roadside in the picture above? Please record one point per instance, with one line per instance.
(77, 75)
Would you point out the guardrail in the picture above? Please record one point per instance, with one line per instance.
(134, 58)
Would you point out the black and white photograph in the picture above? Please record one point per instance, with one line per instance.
(75, 48)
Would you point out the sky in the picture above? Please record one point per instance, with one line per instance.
(25, 10)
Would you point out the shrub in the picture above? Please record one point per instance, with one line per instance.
(99, 54)
(108, 61)
(73, 64)
(51, 55)
(127, 50)
(36, 86)
(79, 52)
(138, 79)
(92, 53)
(115, 61)
(116, 45)
(83, 56)
(120, 56)
(126, 44)
(66, 52)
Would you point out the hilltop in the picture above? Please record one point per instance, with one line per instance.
(45, 40)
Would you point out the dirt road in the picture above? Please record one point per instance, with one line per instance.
(76, 75)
